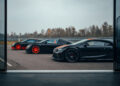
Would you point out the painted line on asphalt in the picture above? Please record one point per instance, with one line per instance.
(60, 71)
(9, 64)
(4, 61)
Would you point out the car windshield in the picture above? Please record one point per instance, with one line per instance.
(49, 41)
(24, 40)
(29, 40)
(79, 42)
(41, 41)
(52, 41)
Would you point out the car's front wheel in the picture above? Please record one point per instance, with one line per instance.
(35, 49)
(72, 55)
(18, 46)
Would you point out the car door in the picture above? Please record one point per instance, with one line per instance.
(108, 51)
(93, 50)
(50, 45)
(27, 42)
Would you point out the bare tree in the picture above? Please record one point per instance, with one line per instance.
(105, 30)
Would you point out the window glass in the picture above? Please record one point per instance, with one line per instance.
(31, 41)
(56, 22)
(52, 41)
(117, 8)
(61, 42)
(108, 44)
(117, 36)
(2, 28)
(96, 43)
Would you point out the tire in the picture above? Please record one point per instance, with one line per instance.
(71, 55)
(18, 47)
(35, 50)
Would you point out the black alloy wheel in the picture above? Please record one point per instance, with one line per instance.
(72, 55)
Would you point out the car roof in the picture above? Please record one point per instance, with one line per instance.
(100, 39)
(32, 39)
(59, 39)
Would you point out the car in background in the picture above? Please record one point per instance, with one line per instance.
(45, 46)
(22, 45)
(87, 49)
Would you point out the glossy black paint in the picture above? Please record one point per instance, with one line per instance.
(87, 52)
(45, 47)
(25, 43)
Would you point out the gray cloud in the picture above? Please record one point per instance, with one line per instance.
(31, 15)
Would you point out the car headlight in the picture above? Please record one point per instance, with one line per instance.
(59, 50)
(28, 46)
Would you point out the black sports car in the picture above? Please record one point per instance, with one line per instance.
(22, 45)
(87, 49)
(45, 46)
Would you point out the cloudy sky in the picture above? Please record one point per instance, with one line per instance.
(30, 15)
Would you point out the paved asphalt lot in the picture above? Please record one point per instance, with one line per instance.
(19, 60)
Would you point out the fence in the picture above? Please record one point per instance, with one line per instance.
(65, 38)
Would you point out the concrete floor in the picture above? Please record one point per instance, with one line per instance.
(19, 60)
(60, 79)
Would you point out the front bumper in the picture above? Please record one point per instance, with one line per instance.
(28, 51)
(58, 56)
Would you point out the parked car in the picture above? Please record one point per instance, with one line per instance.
(87, 49)
(45, 46)
(22, 45)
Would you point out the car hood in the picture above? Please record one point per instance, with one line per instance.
(62, 46)
(14, 43)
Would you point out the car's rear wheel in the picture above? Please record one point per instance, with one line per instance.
(35, 49)
(18, 46)
(72, 55)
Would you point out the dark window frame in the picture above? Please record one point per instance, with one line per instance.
(5, 36)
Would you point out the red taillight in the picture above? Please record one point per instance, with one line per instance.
(23, 48)
(12, 48)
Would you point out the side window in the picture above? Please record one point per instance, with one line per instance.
(108, 44)
(38, 40)
(52, 42)
(96, 43)
(61, 42)
(31, 41)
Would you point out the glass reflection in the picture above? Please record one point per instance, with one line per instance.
(2, 28)
(117, 8)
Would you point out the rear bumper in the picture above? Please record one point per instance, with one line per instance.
(12, 47)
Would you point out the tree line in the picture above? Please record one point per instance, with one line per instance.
(105, 30)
